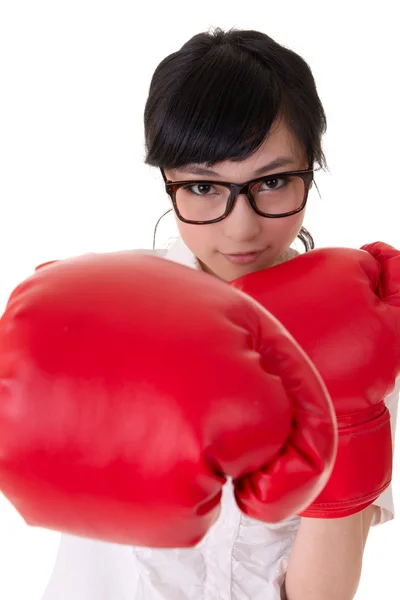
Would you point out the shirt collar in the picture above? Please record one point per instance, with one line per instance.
(178, 252)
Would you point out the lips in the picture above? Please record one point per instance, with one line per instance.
(243, 258)
(242, 253)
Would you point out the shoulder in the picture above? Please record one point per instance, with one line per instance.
(287, 255)
(291, 253)
(161, 252)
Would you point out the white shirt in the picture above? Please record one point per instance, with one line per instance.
(239, 558)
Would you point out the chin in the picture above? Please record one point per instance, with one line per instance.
(247, 269)
(228, 272)
(233, 272)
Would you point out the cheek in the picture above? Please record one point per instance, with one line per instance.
(200, 239)
(282, 232)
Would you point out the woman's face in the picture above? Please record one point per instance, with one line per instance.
(244, 231)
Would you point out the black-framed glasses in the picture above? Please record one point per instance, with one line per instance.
(202, 202)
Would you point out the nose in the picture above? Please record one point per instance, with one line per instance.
(243, 223)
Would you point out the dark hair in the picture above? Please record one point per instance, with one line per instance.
(217, 97)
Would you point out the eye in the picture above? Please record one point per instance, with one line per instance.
(273, 183)
(201, 189)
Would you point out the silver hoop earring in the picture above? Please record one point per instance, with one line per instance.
(155, 228)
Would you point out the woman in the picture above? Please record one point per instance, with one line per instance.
(232, 107)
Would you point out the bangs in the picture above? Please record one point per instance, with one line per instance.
(222, 110)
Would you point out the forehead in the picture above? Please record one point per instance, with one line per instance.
(279, 151)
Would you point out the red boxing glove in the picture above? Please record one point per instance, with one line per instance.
(388, 288)
(132, 387)
(343, 307)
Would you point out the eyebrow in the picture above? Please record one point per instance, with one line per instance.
(279, 162)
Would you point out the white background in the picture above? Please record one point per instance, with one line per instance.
(74, 80)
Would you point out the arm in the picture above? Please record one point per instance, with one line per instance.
(326, 559)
